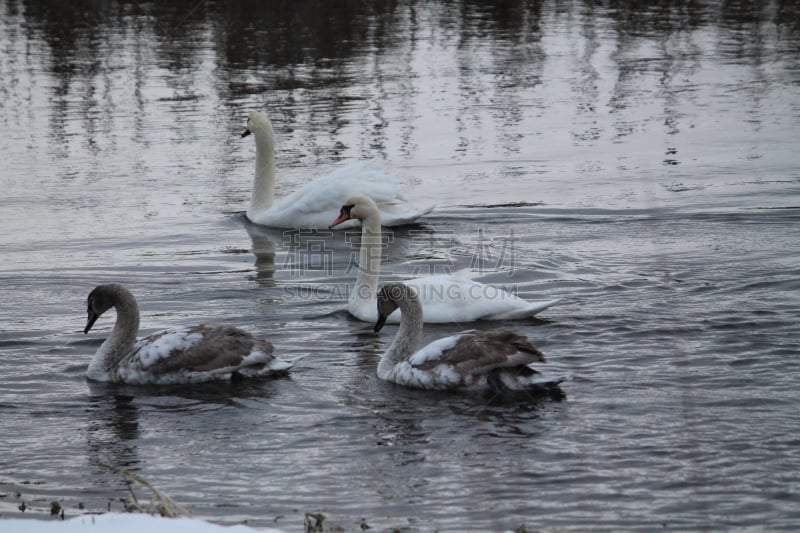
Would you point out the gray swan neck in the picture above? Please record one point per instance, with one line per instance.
(122, 338)
(406, 341)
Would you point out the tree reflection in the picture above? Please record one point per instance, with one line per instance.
(388, 79)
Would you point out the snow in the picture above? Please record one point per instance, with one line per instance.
(123, 523)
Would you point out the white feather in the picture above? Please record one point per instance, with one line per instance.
(315, 204)
(445, 298)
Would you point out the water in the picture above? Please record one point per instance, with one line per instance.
(638, 162)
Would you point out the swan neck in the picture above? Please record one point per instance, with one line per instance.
(369, 260)
(264, 181)
(121, 340)
(408, 335)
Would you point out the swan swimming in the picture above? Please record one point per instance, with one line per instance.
(497, 360)
(181, 355)
(445, 297)
(308, 206)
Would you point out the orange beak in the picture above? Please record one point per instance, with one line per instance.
(343, 216)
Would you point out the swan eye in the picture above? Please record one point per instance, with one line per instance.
(347, 208)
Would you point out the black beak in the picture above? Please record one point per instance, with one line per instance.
(90, 321)
(379, 324)
(246, 132)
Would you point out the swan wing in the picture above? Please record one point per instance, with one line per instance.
(315, 204)
(478, 352)
(403, 215)
(201, 350)
(448, 298)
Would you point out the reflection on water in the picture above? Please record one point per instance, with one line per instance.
(484, 81)
(111, 434)
(636, 159)
(263, 249)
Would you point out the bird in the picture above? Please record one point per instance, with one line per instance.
(445, 297)
(181, 355)
(496, 361)
(308, 206)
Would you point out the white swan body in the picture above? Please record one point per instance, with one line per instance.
(445, 297)
(310, 205)
(182, 355)
(496, 360)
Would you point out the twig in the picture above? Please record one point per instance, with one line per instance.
(160, 503)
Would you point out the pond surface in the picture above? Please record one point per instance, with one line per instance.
(639, 162)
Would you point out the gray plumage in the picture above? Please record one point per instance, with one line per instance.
(221, 347)
(477, 352)
(180, 355)
(496, 360)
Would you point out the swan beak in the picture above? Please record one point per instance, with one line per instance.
(246, 132)
(90, 321)
(379, 324)
(341, 218)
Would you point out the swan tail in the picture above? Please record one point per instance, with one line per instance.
(551, 389)
(529, 310)
(401, 219)
(535, 384)
(281, 365)
(274, 367)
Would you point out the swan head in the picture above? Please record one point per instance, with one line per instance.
(389, 298)
(356, 207)
(101, 299)
(257, 122)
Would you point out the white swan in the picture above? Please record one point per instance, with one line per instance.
(495, 360)
(308, 206)
(445, 298)
(183, 355)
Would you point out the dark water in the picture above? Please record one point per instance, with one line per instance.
(638, 161)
